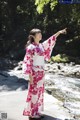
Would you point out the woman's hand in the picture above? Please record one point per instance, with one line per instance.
(30, 78)
(63, 31)
(60, 32)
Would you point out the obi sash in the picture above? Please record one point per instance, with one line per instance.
(38, 60)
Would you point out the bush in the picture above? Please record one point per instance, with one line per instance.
(60, 58)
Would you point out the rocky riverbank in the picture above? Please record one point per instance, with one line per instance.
(66, 69)
(62, 81)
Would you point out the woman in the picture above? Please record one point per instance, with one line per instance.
(33, 65)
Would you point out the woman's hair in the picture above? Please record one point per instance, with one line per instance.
(31, 35)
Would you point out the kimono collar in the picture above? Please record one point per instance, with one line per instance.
(35, 43)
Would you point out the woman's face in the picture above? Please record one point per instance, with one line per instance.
(38, 36)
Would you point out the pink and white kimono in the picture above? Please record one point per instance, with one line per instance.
(33, 62)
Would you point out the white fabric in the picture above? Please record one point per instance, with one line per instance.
(38, 60)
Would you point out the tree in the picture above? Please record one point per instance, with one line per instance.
(41, 4)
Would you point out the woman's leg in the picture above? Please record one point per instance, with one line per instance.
(35, 96)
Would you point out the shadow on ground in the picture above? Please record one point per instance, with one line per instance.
(46, 117)
(11, 82)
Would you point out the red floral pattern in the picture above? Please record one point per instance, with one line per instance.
(34, 100)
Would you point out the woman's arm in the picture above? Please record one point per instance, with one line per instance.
(60, 32)
(27, 63)
(50, 43)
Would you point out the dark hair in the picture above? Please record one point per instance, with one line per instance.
(31, 35)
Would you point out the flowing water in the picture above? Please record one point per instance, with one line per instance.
(67, 90)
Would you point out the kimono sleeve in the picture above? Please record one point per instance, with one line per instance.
(27, 62)
(48, 46)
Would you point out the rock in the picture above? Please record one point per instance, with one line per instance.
(21, 88)
(4, 73)
(21, 80)
(47, 66)
(18, 68)
(49, 92)
(78, 74)
(59, 67)
(20, 63)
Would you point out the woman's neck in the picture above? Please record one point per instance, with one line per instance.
(37, 42)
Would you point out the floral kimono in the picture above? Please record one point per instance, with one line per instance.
(33, 63)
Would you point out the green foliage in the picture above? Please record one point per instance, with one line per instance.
(41, 4)
(60, 58)
(53, 4)
(18, 17)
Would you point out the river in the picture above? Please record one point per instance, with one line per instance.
(65, 89)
